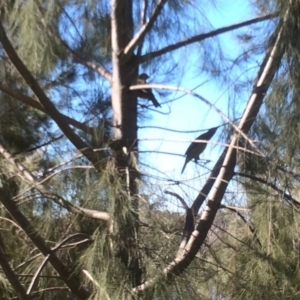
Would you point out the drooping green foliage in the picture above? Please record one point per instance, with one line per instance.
(112, 240)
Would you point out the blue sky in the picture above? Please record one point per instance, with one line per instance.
(189, 113)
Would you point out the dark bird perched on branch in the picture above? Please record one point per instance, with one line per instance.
(195, 149)
(146, 93)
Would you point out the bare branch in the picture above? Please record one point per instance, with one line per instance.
(55, 288)
(36, 275)
(243, 149)
(91, 278)
(94, 214)
(144, 12)
(201, 37)
(28, 260)
(179, 198)
(144, 29)
(12, 222)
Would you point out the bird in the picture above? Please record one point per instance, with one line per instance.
(146, 93)
(195, 149)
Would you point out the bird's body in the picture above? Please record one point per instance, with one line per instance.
(196, 148)
(146, 93)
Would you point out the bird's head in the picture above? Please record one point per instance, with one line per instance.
(144, 76)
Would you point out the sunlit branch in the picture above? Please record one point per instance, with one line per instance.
(167, 129)
(36, 274)
(54, 288)
(12, 222)
(242, 149)
(144, 12)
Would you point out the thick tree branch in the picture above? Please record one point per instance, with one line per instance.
(201, 37)
(144, 29)
(12, 277)
(37, 105)
(226, 164)
(66, 274)
(265, 76)
(90, 65)
(37, 273)
(45, 101)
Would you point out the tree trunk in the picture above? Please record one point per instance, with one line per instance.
(124, 104)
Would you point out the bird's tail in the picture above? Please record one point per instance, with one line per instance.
(185, 163)
(154, 101)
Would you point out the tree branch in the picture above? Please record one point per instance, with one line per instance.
(144, 29)
(45, 101)
(66, 274)
(202, 37)
(189, 92)
(186, 207)
(26, 175)
(37, 105)
(42, 265)
(75, 56)
(90, 65)
(265, 76)
(250, 227)
(224, 169)
(271, 185)
(12, 277)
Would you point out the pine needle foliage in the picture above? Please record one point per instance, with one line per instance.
(78, 218)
